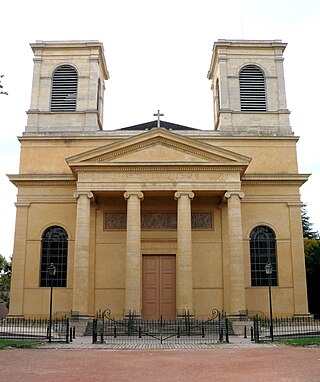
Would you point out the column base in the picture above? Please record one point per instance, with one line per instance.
(20, 316)
(132, 313)
(303, 315)
(76, 316)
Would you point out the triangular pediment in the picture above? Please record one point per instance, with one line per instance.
(157, 147)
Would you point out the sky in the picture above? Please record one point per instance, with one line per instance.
(158, 54)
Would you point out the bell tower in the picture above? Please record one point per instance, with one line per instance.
(68, 87)
(248, 87)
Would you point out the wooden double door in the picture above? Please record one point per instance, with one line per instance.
(159, 287)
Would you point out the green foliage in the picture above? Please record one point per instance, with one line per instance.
(5, 279)
(312, 254)
(21, 344)
(312, 258)
(312, 341)
(308, 233)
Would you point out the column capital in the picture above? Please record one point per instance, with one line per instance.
(178, 194)
(88, 194)
(228, 194)
(138, 194)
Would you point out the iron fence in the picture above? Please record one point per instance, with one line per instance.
(182, 330)
(283, 328)
(36, 329)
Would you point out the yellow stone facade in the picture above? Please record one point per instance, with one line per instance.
(75, 175)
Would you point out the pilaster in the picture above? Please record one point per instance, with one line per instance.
(18, 261)
(298, 264)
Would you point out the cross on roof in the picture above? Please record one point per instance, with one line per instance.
(158, 115)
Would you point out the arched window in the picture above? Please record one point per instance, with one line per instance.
(262, 251)
(64, 89)
(54, 249)
(252, 89)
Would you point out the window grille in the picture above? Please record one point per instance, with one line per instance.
(54, 249)
(262, 251)
(252, 89)
(64, 89)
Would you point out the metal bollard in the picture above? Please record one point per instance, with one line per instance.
(71, 335)
(220, 334)
(94, 331)
(227, 330)
(245, 331)
(74, 332)
(252, 338)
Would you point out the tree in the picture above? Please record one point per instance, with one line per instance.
(312, 258)
(1, 86)
(5, 279)
(308, 233)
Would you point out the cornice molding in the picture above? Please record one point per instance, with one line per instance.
(52, 199)
(42, 180)
(294, 199)
(136, 167)
(274, 179)
(153, 137)
(43, 183)
(165, 142)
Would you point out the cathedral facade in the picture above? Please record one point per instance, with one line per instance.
(158, 218)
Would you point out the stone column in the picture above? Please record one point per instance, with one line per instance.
(133, 296)
(237, 287)
(81, 254)
(298, 260)
(184, 284)
(18, 261)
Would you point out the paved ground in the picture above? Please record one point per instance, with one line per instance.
(86, 343)
(239, 361)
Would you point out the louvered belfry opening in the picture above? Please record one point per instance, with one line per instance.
(252, 89)
(64, 89)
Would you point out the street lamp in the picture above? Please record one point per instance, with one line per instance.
(268, 269)
(52, 272)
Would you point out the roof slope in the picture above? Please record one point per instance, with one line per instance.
(152, 124)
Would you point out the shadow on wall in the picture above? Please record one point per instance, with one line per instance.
(3, 310)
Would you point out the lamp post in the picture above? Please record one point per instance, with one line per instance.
(268, 269)
(52, 272)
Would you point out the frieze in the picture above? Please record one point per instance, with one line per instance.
(157, 221)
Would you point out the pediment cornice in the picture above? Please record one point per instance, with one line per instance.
(154, 148)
